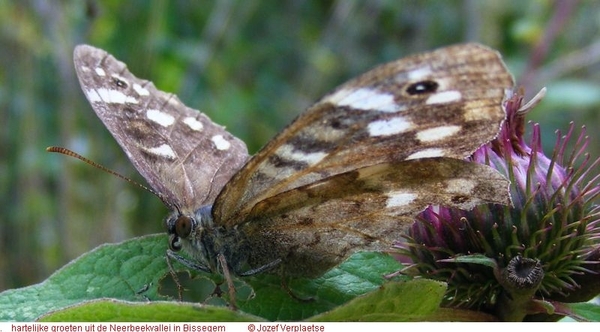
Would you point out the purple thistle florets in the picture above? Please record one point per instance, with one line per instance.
(543, 246)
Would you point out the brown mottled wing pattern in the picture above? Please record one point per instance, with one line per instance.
(180, 152)
(315, 227)
(446, 103)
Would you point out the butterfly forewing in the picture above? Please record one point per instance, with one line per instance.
(446, 103)
(182, 154)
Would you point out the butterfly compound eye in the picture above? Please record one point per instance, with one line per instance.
(422, 87)
(183, 226)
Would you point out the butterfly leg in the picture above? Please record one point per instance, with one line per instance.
(187, 263)
(260, 269)
(174, 275)
(229, 280)
(141, 291)
(284, 285)
(293, 295)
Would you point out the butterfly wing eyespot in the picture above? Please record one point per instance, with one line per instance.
(119, 83)
(422, 87)
(183, 226)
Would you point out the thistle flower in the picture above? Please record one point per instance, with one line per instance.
(505, 259)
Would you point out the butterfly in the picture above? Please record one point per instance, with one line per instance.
(349, 174)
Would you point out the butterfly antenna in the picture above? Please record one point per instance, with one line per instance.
(73, 154)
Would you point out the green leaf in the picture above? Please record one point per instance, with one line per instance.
(109, 271)
(584, 311)
(361, 273)
(136, 271)
(393, 302)
(472, 259)
(121, 311)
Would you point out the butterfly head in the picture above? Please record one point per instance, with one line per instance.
(179, 228)
(192, 233)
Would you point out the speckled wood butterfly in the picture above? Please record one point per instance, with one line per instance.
(348, 174)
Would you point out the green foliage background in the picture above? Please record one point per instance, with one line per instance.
(250, 65)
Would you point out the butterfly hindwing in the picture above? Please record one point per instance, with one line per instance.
(446, 103)
(363, 209)
(180, 152)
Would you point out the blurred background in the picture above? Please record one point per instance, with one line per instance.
(250, 65)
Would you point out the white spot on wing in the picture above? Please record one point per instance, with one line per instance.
(120, 78)
(100, 71)
(287, 152)
(162, 151)
(140, 90)
(220, 142)
(271, 171)
(438, 133)
(463, 186)
(109, 96)
(427, 153)
(193, 123)
(93, 96)
(365, 99)
(419, 73)
(399, 198)
(388, 127)
(159, 117)
(444, 97)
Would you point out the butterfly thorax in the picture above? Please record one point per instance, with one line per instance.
(204, 241)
